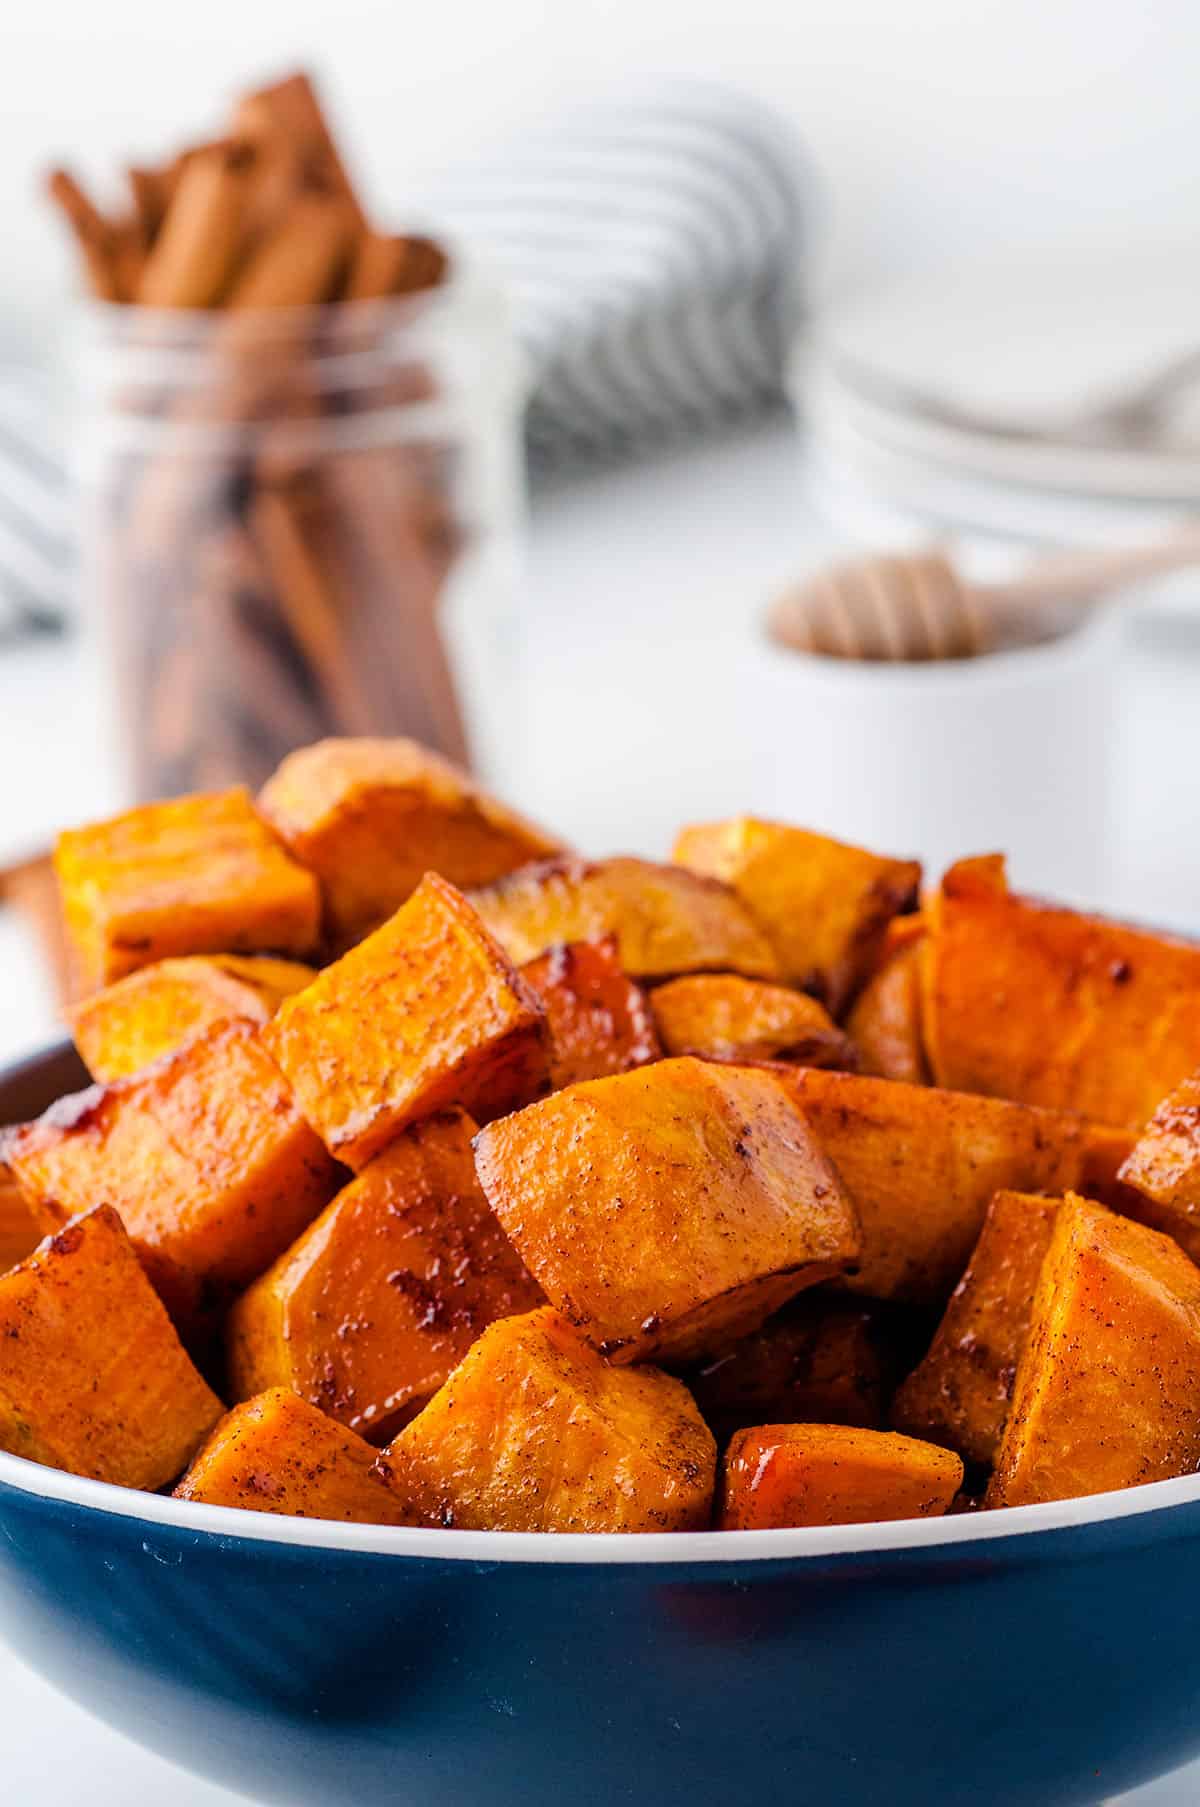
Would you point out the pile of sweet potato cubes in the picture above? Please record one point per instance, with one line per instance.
(437, 1176)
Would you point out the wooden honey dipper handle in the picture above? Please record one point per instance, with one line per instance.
(1084, 577)
(910, 607)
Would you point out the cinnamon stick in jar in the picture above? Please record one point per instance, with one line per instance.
(300, 263)
(203, 233)
(93, 233)
(275, 549)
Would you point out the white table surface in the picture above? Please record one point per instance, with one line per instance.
(640, 587)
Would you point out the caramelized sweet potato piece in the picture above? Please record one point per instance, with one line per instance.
(277, 1453)
(921, 1165)
(425, 1013)
(599, 1019)
(668, 1211)
(666, 921)
(199, 875)
(961, 1392)
(133, 1023)
(886, 1022)
(93, 1378)
(821, 1360)
(21, 1224)
(369, 1312)
(1029, 1001)
(206, 1158)
(833, 1474)
(824, 905)
(1107, 1388)
(534, 1432)
(372, 817)
(720, 1016)
(1162, 1171)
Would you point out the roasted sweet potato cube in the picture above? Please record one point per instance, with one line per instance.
(372, 817)
(21, 1223)
(199, 875)
(1162, 1170)
(921, 1165)
(1025, 1000)
(369, 1312)
(129, 1025)
(821, 1360)
(599, 1020)
(424, 1014)
(93, 1378)
(1107, 1387)
(666, 921)
(720, 1016)
(886, 1022)
(668, 1211)
(277, 1453)
(833, 1474)
(535, 1432)
(825, 906)
(206, 1158)
(961, 1393)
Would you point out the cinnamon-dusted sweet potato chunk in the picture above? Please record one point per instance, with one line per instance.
(599, 1020)
(21, 1224)
(206, 1157)
(886, 1022)
(920, 1166)
(833, 1474)
(1030, 1001)
(823, 904)
(277, 1453)
(425, 1013)
(821, 1360)
(1162, 1170)
(93, 1378)
(535, 1432)
(368, 1313)
(133, 1023)
(1107, 1387)
(199, 875)
(720, 1016)
(668, 1211)
(961, 1393)
(372, 817)
(666, 921)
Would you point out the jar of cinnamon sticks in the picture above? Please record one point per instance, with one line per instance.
(300, 457)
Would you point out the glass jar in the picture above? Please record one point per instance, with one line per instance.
(299, 523)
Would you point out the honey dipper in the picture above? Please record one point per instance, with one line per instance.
(915, 606)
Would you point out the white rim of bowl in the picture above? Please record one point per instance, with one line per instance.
(679, 1549)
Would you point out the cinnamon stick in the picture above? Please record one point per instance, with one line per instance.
(300, 262)
(290, 109)
(93, 233)
(202, 234)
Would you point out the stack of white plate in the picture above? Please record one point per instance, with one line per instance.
(1042, 400)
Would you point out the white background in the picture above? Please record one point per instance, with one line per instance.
(939, 125)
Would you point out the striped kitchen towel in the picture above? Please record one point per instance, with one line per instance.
(650, 245)
(35, 530)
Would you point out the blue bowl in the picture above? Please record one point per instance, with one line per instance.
(1045, 1654)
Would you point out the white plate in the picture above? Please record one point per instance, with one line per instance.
(957, 366)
